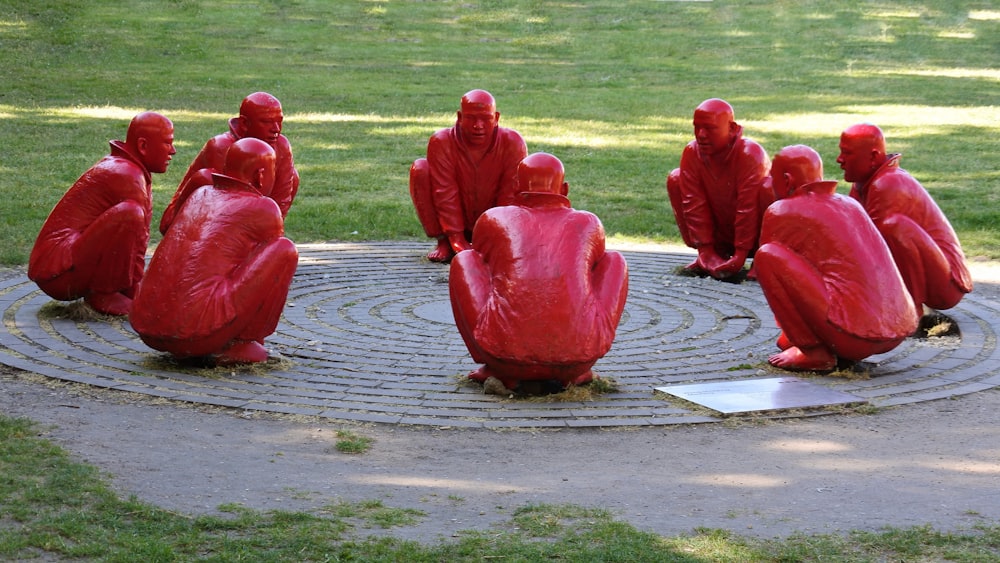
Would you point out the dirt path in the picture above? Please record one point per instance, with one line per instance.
(932, 463)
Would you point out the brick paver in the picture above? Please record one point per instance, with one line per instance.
(367, 336)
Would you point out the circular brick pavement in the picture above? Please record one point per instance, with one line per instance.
(367, 336)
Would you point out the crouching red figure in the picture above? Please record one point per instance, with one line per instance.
(218, 281)
(539, 297)
(93, 243)
(923, 243)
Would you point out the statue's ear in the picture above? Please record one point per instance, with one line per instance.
(242, 125)
(564, 189)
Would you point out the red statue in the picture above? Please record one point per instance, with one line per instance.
(469, 168)
(93, 244)
(218, 281)
(718, 193)
(827, 274)
(538, 298)
(260, 118)
(924, 245)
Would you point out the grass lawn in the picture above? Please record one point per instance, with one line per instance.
(609, 86)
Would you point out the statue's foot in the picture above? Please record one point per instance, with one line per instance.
(812, 359)
(242, 353)
(694, 268)
(109, 303)
(583, 378)
(481, 374)
(752, 272)
(442, 252)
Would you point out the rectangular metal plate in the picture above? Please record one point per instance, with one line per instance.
(754, 395)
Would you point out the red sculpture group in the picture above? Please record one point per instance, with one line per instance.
(534, 292)
(217, 283)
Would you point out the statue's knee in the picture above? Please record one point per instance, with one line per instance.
(419, 172)
(121, 225)
(123, 219)
(901, 228)
(468, 272)
(285, 249)
(673, 181)
(420, 183)
(769, 255)
(782, 265)
(124, 212)
(616, 262)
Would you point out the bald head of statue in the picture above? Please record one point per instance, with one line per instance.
(794, 166)
(715, 127)
(541, 173)
(261, 117)
(862, 152)
(252, 161)
(478, 118)
(150, 137)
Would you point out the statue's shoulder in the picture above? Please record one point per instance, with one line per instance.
(120, 167)
(509, 134)
(443, 134)
(894, 179)
(690, 151)
(753, 149)
(283, 144)
(220, 142)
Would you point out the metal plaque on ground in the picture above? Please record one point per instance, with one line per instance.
(757, 395)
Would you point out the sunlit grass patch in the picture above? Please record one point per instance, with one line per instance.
(352, 443)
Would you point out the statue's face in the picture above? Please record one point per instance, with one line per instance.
(856, 158)
(264, 125)
(477, 124)
(158, 148)
(712, 131)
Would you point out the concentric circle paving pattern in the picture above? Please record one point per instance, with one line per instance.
(368, 336)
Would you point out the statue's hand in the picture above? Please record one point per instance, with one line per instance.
(731, 266)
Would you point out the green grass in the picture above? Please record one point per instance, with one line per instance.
(352, 443)
(607, 85)
(52, 507)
